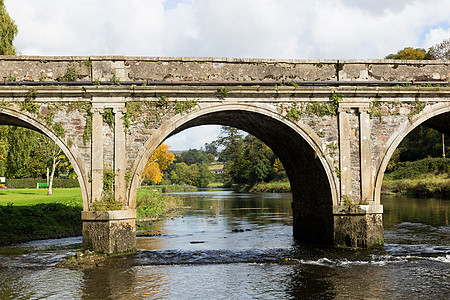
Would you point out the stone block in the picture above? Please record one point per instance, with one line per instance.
(109, 231)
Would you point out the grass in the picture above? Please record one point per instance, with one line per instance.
(28, 214)
(27, 197)
(426, 185)
(168, 188)
(428, 177)
(268, 187)
(153, 205)
(215, 184)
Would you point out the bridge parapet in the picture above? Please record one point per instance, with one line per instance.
(120, 68)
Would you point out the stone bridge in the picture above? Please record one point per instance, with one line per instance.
(333, 124)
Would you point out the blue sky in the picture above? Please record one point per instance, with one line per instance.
(301, 29)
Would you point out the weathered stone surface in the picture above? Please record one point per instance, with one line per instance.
(109, 231)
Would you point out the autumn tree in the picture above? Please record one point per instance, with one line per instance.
(410, 54)
(8, 31)
(158, 162)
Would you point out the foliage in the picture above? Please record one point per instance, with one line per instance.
(39, 221)
(414, 169)
(420, 143)
(30, 183)
(108, 117)
(194, 156)
(428, 186)
(8, 31)
(70, 75)
(247, 160)
(410, 54)
(151, 205)
(441, 50)
(158, 162)
(31, 214)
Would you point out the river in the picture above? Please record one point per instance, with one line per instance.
(239, 246)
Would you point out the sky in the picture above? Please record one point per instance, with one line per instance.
(298, 29)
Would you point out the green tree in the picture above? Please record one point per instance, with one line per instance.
(231, 139)
(23, 144)
(194, 156)
(8, 31)
(203, 176)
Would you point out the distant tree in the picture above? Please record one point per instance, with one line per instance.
(22, 143)
(441, 50)
(203, 176)
(211, 148)
(8, 31)
(158, 162)
(4, 149)
(194, 156)
(179, 173)
(410, 53)
(232, 140)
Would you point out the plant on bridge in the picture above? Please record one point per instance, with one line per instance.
(416, 108)
(108, 201)
(70, 75)
(108, 117)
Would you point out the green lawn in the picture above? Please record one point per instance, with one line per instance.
(27, 197)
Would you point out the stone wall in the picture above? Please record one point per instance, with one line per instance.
(31, 68)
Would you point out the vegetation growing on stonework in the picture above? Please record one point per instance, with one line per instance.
(108, 201)
(147, 110)
(70, 75)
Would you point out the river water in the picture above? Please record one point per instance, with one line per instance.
(239, 246)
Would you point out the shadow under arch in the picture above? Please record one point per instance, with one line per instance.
(13, 117)
(434, 116)
(313, 184)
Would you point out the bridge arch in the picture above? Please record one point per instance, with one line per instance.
(314, 185)
(432, 111)
(13, 117)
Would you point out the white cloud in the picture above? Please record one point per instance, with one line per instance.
(436, 35)
(234, 28)
(194, 138)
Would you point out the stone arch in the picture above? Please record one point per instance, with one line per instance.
(400, 133)
(13, 117)
(314, 185)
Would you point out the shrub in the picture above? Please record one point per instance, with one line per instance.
(30, 183)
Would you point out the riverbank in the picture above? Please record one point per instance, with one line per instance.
(40, 216)
(432, 186)
(267, 187)
(429, 177)
(173, 188)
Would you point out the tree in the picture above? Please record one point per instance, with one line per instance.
(158, 162)
(410, 53)
(203, 176)
(8, 31)
(441, 50)
(4, 149)
(232, 141)
(179, 173)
